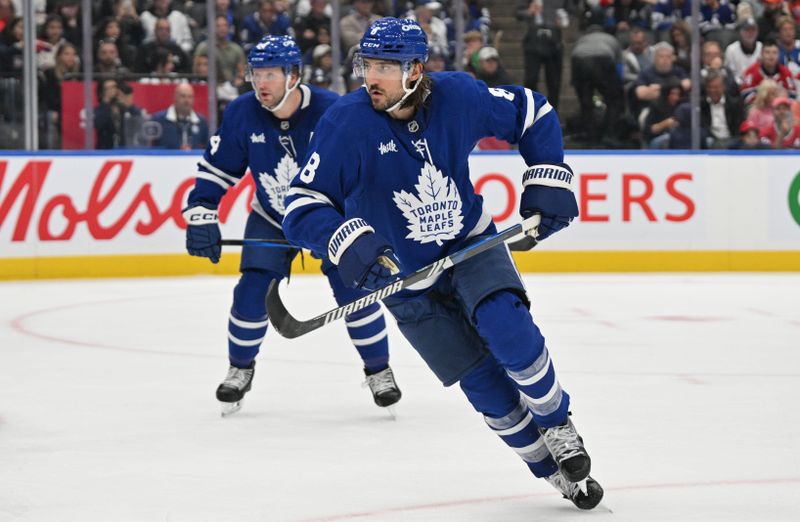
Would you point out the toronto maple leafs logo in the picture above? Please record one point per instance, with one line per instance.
(435, 213)
(277, 186)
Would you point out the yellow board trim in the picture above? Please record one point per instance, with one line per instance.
(535, 261)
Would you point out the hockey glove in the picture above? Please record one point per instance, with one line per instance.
(548, 191)
(365, 259)
(202, 232)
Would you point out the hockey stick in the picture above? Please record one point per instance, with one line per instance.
(278, 243)
(523, 245)
(290, 327)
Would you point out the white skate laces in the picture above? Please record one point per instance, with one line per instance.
(566, 447)
(238, 378)
(384, 389)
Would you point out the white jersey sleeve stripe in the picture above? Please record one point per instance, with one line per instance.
(215, 179)
(306, 192)
(544, 109)
(530, 110)
(301, 202)
(214, 170)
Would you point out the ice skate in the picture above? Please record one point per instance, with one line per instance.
(585, 494)
(231, 392)
(384, 389)
(566, 447)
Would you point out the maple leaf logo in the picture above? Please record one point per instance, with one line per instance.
(277, 186)
(434, 214)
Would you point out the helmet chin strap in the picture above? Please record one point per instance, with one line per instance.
(286, 93)
(406, 90)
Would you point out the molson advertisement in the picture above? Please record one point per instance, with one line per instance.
(65, 215)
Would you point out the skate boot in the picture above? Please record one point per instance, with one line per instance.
(585, 494)
(566, 447)
(231, 392)
(383, 387)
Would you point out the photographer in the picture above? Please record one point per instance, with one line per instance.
(116, 118)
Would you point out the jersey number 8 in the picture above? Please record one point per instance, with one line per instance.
(310, 170)
(501, 93)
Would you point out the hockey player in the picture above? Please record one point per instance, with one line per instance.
(385, 189)
(268, 130)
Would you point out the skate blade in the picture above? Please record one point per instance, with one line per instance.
(229, 408)
(392, 411)
(583, 486)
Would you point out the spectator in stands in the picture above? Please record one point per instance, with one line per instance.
(51, 37)
(178, 22)
(353, 25)
(711, 56)
(680, 137)
(768, 21)
(596, 65)
(69, 11)
(263, 22)
(680, 37)
(473, 43)
(307, 28)
(107, 59)
(109, 28)
(181, 127)
(145, 60)
(543, 43)
(793, 7)
(11, 61)
(437, 61)
(749, 138)
(200, 65)
(50, 93)
(767, 67)
(490, 70)
(720, 115)
(321, 65)
(716, 15)
(661, 116)
(230, 57)
(650, 83)
(434, 27)
(6, 13)
(745, 52)
(789, 45)
(112, 114)
(761, 113)
(667, 12)
(638, 56)
(131, 31)
(324, 38)
(624, 15)
(785, 131)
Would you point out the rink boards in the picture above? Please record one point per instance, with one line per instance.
(93, 214)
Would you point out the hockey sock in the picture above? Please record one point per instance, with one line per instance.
(367, 329)
(493, 394)
(504, 322)
(247, 324)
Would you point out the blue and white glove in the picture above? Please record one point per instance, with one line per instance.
(202, 232)
(548, 192)
(364, 258)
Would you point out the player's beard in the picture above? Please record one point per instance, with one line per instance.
(386, 102)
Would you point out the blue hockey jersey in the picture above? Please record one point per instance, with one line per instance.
(250, 136)
(409, 180)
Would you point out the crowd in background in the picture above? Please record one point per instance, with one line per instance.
(749, 73)
(629, 66)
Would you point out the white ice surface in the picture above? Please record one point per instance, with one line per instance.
(685, 388)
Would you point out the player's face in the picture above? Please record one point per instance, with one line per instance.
(384, 82)
(269, 84)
